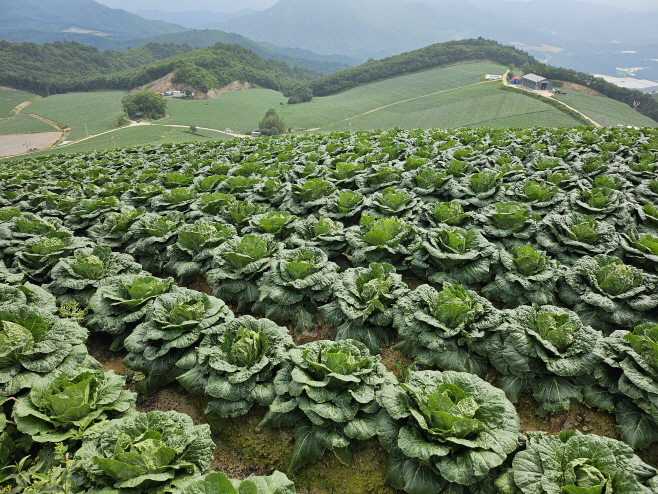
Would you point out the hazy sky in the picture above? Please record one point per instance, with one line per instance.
(236, 5)
(178, 6)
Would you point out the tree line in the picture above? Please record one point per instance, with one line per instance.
(429, 57)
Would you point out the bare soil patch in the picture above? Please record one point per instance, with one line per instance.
(321, 331)
(14, 144)
(200, 284)
(583, 89)
(164, 85)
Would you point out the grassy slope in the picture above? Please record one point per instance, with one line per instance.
(99, 111)
(24, 124)
(10, 100)
(329, 109)
(595, 106)
(478, 106)
(136, 136)
(237, 110)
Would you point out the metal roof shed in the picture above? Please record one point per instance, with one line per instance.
(533, 81)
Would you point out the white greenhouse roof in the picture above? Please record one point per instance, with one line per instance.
(534, 78)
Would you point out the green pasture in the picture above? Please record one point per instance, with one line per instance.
(448, 97)
(335, 109)
(477, 106)
(240, 111)
(24, 124)
(10, 100)
(605, 111)
(154, 135)
(99, 110)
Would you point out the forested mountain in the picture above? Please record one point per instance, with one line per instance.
(429, 57)
(196, 38)
(59, 15)
(64, 67)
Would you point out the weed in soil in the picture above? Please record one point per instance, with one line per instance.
(321, 331)
(244, 445)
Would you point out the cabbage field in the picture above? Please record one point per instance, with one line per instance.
(504, 263)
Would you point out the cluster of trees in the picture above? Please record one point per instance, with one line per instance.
(197, 77)
(425, 58)
(272, 124)
(68, 66)
(57, 67)
(152, 105)
(648, 106)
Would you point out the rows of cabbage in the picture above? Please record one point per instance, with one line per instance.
(555, 228)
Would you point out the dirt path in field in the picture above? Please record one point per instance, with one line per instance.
(135, 124)
(45, 120)
(232, 134)
(396, 103)
(23, 105)
(546, 94)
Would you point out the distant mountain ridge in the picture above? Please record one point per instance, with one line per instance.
(368, 28)
(58, 15)
(380, 28)
(193, 19)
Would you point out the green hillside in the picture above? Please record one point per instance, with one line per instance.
(57, 68)
(447, 97)
(24, 124)
(436, 55)
(99, 111)
(68, 66)
(462, 100)
(10, 100)
(138, 136)
(197, 38)
(606, 111)
(58, 15)
(648, 106)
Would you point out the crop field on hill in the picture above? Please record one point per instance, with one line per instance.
(99, 110)
(140, 136)
(239, 110)
(327, 110)
(595, 107)
(406, 102)
(370, 312)
(24, 124)
(476, 106)
(10, 100)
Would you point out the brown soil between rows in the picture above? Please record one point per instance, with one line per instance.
(244, 449)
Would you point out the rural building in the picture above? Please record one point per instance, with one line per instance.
(492, 77)
(532, 81)
(517, 80)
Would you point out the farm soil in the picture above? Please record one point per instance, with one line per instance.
(164, 85)
(583, 89)
(244, 449)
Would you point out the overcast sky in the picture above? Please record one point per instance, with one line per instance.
(236, 5)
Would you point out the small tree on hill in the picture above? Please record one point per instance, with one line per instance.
(152, 105)
(272, 124)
